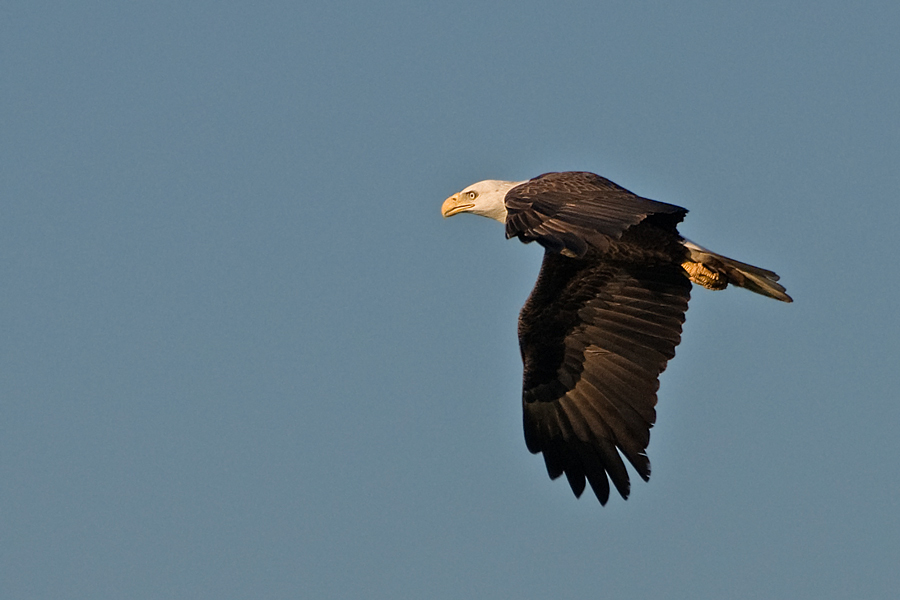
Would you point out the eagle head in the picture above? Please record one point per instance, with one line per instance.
(485, 198)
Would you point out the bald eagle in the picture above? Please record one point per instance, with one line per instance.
(603, 318)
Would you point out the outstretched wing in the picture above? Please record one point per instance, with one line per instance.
(572, 211)
(594, 338)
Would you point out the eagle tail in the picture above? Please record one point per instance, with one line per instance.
(715, 272)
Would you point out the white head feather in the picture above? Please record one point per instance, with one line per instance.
(485, 198)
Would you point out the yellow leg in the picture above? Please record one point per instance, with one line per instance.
(700, 274)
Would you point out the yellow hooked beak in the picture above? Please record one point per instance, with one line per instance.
(453, 205)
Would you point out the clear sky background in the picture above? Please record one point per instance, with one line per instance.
(244, 357)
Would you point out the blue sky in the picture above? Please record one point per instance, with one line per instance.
(243, 356)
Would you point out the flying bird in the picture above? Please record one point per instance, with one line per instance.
(604, 316)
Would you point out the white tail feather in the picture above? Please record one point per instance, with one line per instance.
(737, 273)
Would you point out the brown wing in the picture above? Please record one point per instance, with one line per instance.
(594, 338)
(574, 211)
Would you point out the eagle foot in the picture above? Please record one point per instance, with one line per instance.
(699, 273)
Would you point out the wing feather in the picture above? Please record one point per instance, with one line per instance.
(604, 415)
(577, 211)
(594, 336)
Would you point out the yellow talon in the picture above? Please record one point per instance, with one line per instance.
(699, 273)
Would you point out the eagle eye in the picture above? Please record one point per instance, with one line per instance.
(471, 194)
